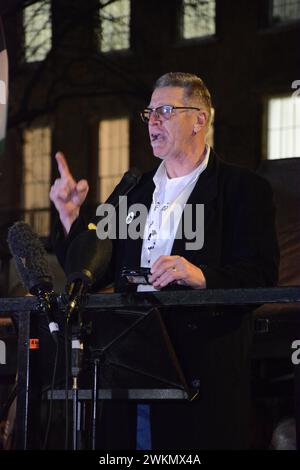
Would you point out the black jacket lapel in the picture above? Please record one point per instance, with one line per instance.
(204, 192)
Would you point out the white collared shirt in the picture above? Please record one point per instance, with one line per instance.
(168, 201)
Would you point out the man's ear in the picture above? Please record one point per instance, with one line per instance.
(202, 117)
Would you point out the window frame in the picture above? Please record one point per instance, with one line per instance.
(279, 24)
(265, 123)
(206, 38)
(126, 117)
(114, 51)
(30, 211)
(24, 48)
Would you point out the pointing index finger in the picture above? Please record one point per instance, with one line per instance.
(62, 165)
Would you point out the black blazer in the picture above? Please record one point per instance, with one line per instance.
(240, 245)
(240, 250)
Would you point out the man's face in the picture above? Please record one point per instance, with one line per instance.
(171, 138)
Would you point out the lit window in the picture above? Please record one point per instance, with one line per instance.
(115, 25)
(198, 18)
(285, 10)
(36, 178)
(113, 154)
(37, 30)
(283, 137)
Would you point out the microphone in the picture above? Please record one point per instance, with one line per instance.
(32, 266)
(87, 261)
(88, 257)
(129, 180)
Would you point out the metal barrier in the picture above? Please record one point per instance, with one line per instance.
(21, 309)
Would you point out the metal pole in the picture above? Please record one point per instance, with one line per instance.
(22, 410)
(94, 404)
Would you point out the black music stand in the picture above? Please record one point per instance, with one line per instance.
(134, 347)
(123, 351)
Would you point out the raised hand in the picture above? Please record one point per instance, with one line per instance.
(66, 194)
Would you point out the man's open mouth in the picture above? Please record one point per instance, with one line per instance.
(156, 137)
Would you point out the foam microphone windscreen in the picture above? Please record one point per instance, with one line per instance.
(88, 258)
(29, 255)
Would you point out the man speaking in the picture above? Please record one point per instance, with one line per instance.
(238, 249)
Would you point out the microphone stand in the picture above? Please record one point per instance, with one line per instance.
(76, 358)
(73, 315)
(97, 358)
(94, 401)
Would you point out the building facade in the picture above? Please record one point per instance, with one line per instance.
(81, 71)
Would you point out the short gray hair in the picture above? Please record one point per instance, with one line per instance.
(194, 87)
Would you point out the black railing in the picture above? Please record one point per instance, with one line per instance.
(21, 308)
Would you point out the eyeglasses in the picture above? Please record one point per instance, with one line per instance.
(163, 112)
